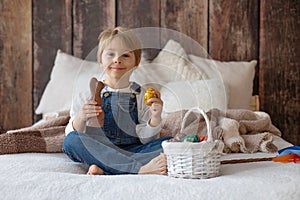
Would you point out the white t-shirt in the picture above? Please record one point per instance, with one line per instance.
(145, 132)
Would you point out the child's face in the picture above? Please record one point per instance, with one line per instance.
(117, 59)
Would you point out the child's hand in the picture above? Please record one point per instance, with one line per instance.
(88, 110)
(156, 109)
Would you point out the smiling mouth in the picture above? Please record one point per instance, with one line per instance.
(117, 68)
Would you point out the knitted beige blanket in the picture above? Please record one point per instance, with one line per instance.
(243, 131)
(44, 138)
(240, 130)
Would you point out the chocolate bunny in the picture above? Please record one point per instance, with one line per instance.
(96, 88)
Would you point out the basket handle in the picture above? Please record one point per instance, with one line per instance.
(209, 133)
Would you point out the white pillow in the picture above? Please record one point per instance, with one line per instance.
(69, 73)
(205, 94)
(171, 64)
(237, 75)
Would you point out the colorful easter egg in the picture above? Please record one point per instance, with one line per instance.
(191, 138)
(148, 95)
(202, 138)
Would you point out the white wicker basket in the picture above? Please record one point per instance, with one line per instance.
(193, 160)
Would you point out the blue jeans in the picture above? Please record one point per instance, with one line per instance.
(94, 148)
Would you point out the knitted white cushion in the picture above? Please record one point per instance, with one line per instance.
(69, 73)
(171, 64)
(237, 75)
(205, 94)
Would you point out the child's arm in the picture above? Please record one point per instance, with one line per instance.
(156, 110)
(149, 126)
(147, 133)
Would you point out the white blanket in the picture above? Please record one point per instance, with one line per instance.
(54, 176)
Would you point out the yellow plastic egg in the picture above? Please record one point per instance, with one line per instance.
(148, 95)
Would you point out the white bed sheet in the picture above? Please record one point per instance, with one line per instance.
(54, 176)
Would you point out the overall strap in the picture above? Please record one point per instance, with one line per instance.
(136, 88)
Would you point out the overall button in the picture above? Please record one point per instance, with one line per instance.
(106, 94)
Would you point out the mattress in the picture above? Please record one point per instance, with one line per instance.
(54, 176)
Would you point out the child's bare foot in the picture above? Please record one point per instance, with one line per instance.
(95, 170)
(157, 165)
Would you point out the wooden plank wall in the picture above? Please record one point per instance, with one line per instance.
(279, 76)
(52, 30)
(15, 64)
(229, 30)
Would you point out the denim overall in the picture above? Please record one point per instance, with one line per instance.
(115, 148)
(120, 117)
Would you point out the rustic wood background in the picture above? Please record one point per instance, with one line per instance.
(31, 31)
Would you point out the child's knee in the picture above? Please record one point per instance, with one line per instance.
(70, 146)
(70, 140)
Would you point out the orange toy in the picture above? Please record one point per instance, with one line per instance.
(287, 158)
(202, 138)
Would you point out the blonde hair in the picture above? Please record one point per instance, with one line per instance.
(126, 36)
